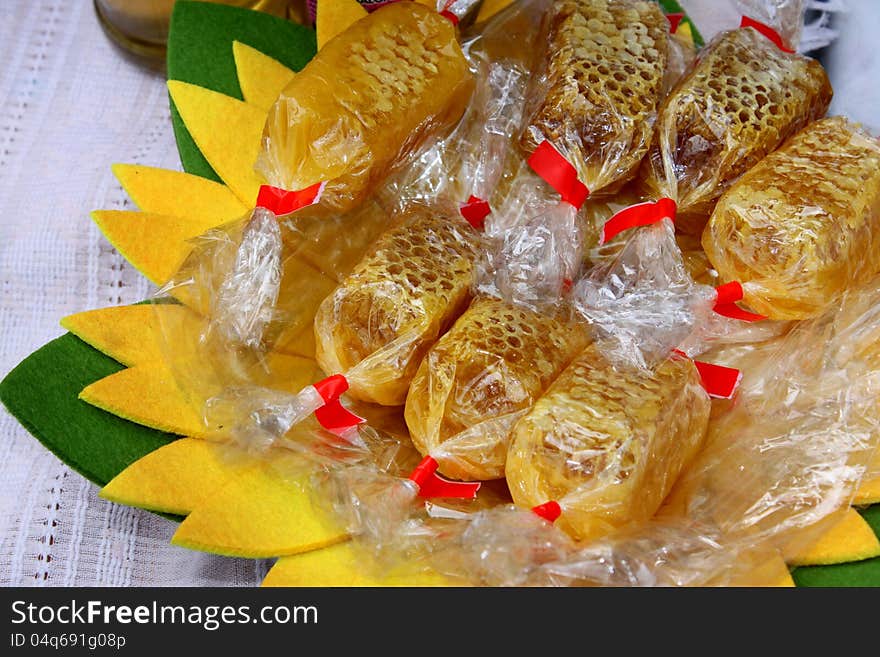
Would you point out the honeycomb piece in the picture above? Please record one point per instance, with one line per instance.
(364, 102)
(378, 324)
(740, 102)
(803, 225)
(607, 443)
(479, 378)
(597, 98)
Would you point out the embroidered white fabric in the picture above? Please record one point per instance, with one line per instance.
(70, 105)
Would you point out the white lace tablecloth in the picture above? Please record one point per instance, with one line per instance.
(70, 105)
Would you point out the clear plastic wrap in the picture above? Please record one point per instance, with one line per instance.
(596, 96)
(741, 100)
(400, 298)
(802, 226)
(608, 442)
(469, 161)
(533, 264)
(642, 303)
(785, 17)
(364, 103)
(777, 468)
(479, 378)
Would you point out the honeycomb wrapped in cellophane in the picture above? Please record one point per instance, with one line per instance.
(364, 103)
(445, 270)
(479, 378)
(595, 99)
(608, 442)
(804, 224)
(400, 298)
(742, 99)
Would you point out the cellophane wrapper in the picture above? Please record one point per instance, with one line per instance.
(599, 84)
(413, 283)
(520, 361)
(742, 98)
(777, 468)
(802, 226)
(365, 103)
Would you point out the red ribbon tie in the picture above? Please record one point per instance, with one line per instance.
(559, 173)
(333, 416)
(718, 381)
(641, 214)
(475, 211)
(332, 388)
(767, 31)
(282, 201)
(433, 485)
(725, 303)
(549, 511)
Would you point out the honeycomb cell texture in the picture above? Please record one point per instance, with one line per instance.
(597, 98)
(739, 103)
(803, 225)
(396, 302)
(479, 377)
(607, 443)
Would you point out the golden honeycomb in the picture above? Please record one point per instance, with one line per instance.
(607, 443)
(603, 79)
(802, 226)
(740, 102)
(479, 377)
(366, 99)
(379, 322)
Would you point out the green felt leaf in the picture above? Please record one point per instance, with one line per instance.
(42, 393)
(860, 573)
(200, 52)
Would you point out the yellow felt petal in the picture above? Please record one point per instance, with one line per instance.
(155, 244)
(868, 492)
(130, 334)
(334, 17)
(175, 478)
(146, 394)
(259, 514)
(491, 7)
(684, 31)
(178, 194)
(260, 77)
(340, 565)
(850, 539)
(227, 132)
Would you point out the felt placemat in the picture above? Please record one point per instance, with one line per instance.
(200, 52)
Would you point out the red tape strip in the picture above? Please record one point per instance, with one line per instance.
(718, 381)
(725, 303)
(335, 417)
(559, 173)
(549, 511)
(674, 21)
(282, 201)
(475, 211)
(332, 388)
(433, 485)
(641, 214)
(767, 31)
(450, 16)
